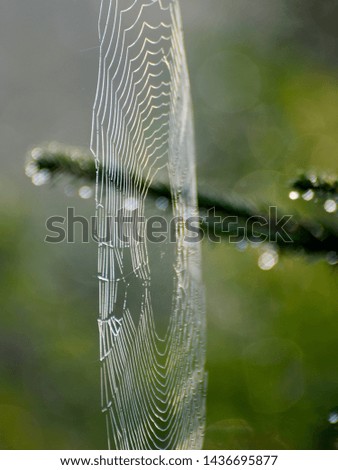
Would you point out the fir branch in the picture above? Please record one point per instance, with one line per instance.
(307, 236)
(323, 186)
(58, 160)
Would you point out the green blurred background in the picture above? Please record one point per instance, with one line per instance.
(264, 81)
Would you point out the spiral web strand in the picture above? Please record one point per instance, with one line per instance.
(153, 386)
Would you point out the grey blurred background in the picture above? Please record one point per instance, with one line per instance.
(265, 91)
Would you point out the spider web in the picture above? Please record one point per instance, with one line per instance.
(153, 385)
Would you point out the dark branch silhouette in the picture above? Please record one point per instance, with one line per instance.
(236, 218)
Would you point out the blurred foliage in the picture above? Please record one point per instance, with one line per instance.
(49, 370)
(265, 87)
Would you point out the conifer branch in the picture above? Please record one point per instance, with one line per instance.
(306, 236)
